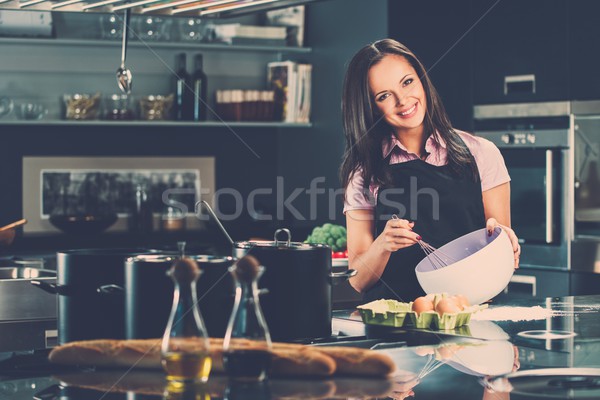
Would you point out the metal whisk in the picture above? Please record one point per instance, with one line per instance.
(431, 365)
(437, 258)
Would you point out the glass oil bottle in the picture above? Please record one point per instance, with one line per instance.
(247, 342)
(185, 344)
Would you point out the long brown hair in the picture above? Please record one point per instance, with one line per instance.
(365, 129)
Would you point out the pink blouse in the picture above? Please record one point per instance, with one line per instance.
(492, 170)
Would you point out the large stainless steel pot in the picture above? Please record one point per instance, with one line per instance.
(296, 290)
(149, 294)
(298, 279)
(86, 308)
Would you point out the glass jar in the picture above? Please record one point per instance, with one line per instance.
(156, 108)
(81, 106)
(190, 29)
(118, 108)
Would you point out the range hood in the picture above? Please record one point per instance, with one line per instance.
(187, 8)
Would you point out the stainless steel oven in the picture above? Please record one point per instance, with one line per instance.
(585, 249)
(536, 142)
(552, 152)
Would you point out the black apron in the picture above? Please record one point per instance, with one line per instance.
(460, 206)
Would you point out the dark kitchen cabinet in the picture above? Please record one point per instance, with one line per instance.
(435, 31)
(538, 282)
(584, 49)
(515, 38)
(585, 283)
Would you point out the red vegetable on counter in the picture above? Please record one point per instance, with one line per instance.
(339, 254)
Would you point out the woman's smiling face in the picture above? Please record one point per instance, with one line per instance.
(398, 94)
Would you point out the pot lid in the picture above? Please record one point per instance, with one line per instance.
(124, 252)
(160, 258)
(286, 244)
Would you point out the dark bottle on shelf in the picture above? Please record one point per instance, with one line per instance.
(199, 82)
(141, 218)
(183, 90)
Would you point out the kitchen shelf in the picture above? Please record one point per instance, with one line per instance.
(155, 45)
(209, 124)
(213, 9)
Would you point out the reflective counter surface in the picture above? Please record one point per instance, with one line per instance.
(556, 357)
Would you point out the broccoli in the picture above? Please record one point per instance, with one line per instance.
(332, 235)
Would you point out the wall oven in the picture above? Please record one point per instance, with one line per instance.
(536, 142)
(552, 151)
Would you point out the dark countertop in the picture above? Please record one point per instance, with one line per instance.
(435, 365)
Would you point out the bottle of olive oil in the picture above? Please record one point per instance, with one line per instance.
(185, 345)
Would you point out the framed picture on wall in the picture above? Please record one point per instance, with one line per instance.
(96, 185)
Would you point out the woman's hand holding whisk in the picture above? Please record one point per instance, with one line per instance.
(398, 234)
(492, 223)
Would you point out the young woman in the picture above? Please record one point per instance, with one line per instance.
(404, 158)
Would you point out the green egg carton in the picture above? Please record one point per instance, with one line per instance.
(398, 314)
(385, 313)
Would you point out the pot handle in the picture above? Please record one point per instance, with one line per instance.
(110, 289)
(52, 288)
(287, 232)
(335, 278)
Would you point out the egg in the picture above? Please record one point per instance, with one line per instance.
(447, 306)
(422, 304)
(461, 301)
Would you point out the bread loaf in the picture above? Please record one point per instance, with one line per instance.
(287, 359)
(143, 353)
(360, 362)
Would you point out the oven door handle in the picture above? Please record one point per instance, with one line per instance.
(549, 195)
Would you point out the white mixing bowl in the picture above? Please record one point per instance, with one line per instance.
(478, 266)
(495, 357)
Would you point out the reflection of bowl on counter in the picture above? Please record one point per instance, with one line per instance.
(82, 224)
(494, 357)
(81, 106)
(31, 111)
